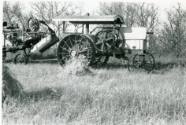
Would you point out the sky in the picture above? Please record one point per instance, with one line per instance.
(92, 6)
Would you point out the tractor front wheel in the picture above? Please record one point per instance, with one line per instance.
(144, 61)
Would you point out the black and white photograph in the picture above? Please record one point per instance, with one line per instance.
(93, 62)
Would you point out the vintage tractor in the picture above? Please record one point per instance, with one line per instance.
(110, 38)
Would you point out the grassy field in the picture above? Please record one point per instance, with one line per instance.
(108, 96)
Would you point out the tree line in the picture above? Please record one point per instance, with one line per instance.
(169, 36)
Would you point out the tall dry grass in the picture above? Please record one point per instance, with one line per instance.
(110, 97)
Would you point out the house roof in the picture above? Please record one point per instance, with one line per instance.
(109, 19)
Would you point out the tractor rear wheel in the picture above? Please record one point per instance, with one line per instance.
(75, 45)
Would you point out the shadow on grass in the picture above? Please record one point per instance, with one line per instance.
(166, 67)
(43, 94)
(13, 88)
(110, 66)
(159, 68)
(47, 61)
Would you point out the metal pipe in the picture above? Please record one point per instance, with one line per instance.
(46, 42)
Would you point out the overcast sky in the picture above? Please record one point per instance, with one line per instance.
(92, 6)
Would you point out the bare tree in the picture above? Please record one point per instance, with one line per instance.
(147, 15)
(173, 34)
(18, 14)
(134, 14)
(47, 10)
(14, 14)
(127, 11)
(7, 16)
